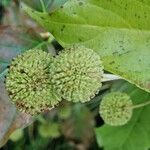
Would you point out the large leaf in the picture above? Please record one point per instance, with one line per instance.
(7, 113)
(117, 30)
(10, 119)
(135, 12)
(136, 134)
(14, 41)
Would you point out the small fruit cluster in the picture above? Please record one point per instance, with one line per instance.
(116, 108)
(37, 81)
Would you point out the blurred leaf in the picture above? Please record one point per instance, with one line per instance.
(79, 127)
(50, 5)
(17, 135)
(111, 28)
(64, 111)
(136, 134)
(49, 130)
(37, 144)
(5, 2)
(14, 41)
(12, 15)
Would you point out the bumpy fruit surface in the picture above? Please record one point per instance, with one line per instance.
(28, 82)
(76, 74)
(116, 108)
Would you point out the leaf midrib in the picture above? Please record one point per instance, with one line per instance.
(95, 26)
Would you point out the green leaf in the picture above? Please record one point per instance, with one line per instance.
(14, 41)
(145, 1)
(17, 135)
(136, 134)
(49, 130)
(134, 12)
(119, 31)
(79, 126)
(5, 2)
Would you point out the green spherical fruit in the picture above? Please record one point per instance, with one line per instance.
(116, 108)
(76, 74)
(28, 82)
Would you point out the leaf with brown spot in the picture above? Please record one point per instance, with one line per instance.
(10, 119)
(119, 31)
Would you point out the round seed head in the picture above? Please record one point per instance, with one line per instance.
(28, 82)
(115, 108)
(76, 74)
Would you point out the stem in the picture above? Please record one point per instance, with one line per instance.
(40, 45)
(51, 38)
(3, 73)
(140, 105)
(43, 6)
(110, 77)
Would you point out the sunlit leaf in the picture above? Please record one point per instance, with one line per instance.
(119, 31)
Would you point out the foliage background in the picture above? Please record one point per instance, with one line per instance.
(120, 34)
(70, 126)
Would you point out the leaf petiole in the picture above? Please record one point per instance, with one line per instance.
(43, 6)
(3, 73)
(110, 77)
(140, 105)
